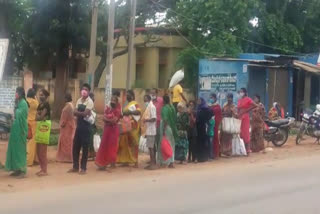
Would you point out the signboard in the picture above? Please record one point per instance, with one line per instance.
(3, 55)
(219, 82)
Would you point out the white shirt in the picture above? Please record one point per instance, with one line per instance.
(151, 129)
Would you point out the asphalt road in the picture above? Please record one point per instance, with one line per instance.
(283, 186)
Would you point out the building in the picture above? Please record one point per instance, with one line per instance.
(292, 81)
(154, 62)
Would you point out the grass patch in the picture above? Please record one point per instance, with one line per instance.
(54, 139)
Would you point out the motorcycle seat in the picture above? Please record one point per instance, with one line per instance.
(278, 123)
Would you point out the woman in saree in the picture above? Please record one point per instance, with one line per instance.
(216, 109)
(107, 153)
(168, 128)
(204, 115)
(16, 160)
(276, 112)
(129, 142)
(257, 126)
(182, 144)
(67, 131)
(228, 110)
(31, 145)
(245, 105)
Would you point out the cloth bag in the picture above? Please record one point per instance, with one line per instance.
(43, 132)
(96, 142)
(231, 125)
(238, 147)
(143, 145)
(166, 149)
(125, 125)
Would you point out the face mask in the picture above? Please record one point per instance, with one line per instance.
(146, 104)
(17, 96)
(153, 97)
(42, 99)
(241, 94)
(113, 105)
(84, 93)
(211, 101)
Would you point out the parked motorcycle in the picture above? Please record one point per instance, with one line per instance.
(310, 126)
(5, 124)
(278, 131)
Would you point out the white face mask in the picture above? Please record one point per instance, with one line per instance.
(241, 94)
(153, 97)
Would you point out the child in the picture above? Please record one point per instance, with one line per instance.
(210, 132)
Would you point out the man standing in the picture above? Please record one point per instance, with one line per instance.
(150, 121)
(83, 109)
(158, 103)
(178, 95)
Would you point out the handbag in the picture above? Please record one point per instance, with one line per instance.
(30, 135)
(166, 149)
(125, 125)
(231, 125)
(43, 132)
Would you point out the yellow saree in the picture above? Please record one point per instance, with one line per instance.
(129, 142)
(31, 146)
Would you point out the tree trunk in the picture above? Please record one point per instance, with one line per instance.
(60, 88)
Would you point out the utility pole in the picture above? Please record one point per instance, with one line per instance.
(108, 86)
(131, 41)
(93, 43)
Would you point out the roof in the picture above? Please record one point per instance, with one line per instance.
(306, 67)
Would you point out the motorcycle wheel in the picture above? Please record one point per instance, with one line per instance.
(300, 134)
(285, 135)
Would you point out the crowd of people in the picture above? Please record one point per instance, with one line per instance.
(192, 128)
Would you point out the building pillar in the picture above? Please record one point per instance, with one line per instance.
(307, 90)
(150, 72)
(27, 80)
(290, 92)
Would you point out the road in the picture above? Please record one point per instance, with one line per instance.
(281, 186)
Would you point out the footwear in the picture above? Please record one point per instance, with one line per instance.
(104, 168)
(82, 172)
(73, 171)
(152, 167)
(42, 174)
(21, 176)
(15, 173)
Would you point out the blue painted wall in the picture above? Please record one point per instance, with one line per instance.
(207, 67)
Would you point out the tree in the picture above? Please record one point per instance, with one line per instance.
(212, 28)
(51, 34)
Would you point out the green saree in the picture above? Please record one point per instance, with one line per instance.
(17, 147)
(168, 128)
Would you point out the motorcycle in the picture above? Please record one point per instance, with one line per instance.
(5, 124)
(278, 131)
(309, 126)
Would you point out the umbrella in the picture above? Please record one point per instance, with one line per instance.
(176, 78)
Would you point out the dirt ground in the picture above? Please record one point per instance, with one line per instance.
(59, 178)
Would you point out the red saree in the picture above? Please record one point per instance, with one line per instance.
(216, 109)
(108, 150)
(244, 106)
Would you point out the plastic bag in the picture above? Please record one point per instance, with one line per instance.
(91, 118)
(143, 145)
(166, 149)
(231, 125)
(43, 132)
(238, 147)
(96, 142)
